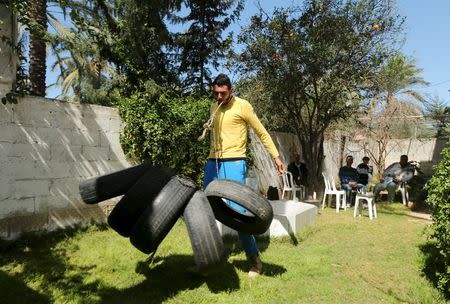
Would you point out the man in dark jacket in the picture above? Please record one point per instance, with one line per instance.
(299, 171)
(349, 179)
(364, 170)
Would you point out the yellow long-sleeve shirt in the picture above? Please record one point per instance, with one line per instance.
(229, 135)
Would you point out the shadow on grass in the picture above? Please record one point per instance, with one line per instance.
(14, 290)
(38, 258)
(434, 263)
(167, 277)
(44, 260)
(269, 270)
(389, 292)
(397, 209)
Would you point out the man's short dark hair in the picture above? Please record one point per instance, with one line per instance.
(222, 80)
(404, 156)
(349, 156)
(366, 158)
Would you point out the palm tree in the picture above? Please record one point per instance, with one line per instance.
(399, 77)
(37, 69)
(393, 113)
(79, 62)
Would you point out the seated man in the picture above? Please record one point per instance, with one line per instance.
(298, 170)
(364, 171)
(393, 176)
(349, 178)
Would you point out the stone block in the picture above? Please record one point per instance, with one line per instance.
(5, 188)
(45, 203)
(30, 188)
(290, 217)
(114, 124)
(13, 168)
(57, 170)
(64, 218)
(33, 151)
(52, 136)
(35, 112)
(65, 188)
(6, 113)
(88, 169)
(109, 138)
(84, 138)
(95, 153)
(12, 227)
(65, 153)
(116, 154)
(16, 207)
(12, 133)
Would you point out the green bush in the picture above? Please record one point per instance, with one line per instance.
(162, 127)
(439, 200)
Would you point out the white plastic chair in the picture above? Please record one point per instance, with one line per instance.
(404, 192)
(288, 185)
(372, 206)
(330, 189)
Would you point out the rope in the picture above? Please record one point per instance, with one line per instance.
(208, 124)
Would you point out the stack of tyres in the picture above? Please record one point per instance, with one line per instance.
(154, 198)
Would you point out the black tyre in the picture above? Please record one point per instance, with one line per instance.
(160, 216)
(205, 237)
(259, 215)
(128, 210)
(97, 189)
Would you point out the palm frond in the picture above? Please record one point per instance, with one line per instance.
(69, 80)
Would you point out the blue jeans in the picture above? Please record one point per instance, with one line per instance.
(235, 170)
(388, 185)
(348, 191)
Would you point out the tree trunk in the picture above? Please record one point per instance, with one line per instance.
(38, 13)
(312, 149)
(381, 161)
(342, 157)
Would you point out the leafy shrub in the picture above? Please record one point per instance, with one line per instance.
(162, 127)
(439, 200)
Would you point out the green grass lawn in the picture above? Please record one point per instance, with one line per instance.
(338, 260)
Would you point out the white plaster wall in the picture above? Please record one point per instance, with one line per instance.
(46, 148)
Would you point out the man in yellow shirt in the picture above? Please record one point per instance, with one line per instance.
(230, 118)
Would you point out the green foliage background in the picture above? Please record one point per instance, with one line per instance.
(162, 127)
(439, 200)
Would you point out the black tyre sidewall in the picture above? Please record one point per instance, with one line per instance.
(97, 189)
(206, 241)
(259, 207)
(160, 216)
(128, 210)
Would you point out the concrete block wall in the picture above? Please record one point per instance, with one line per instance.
(46, 148)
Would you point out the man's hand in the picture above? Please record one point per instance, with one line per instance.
(281, 168)
(352, 184)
